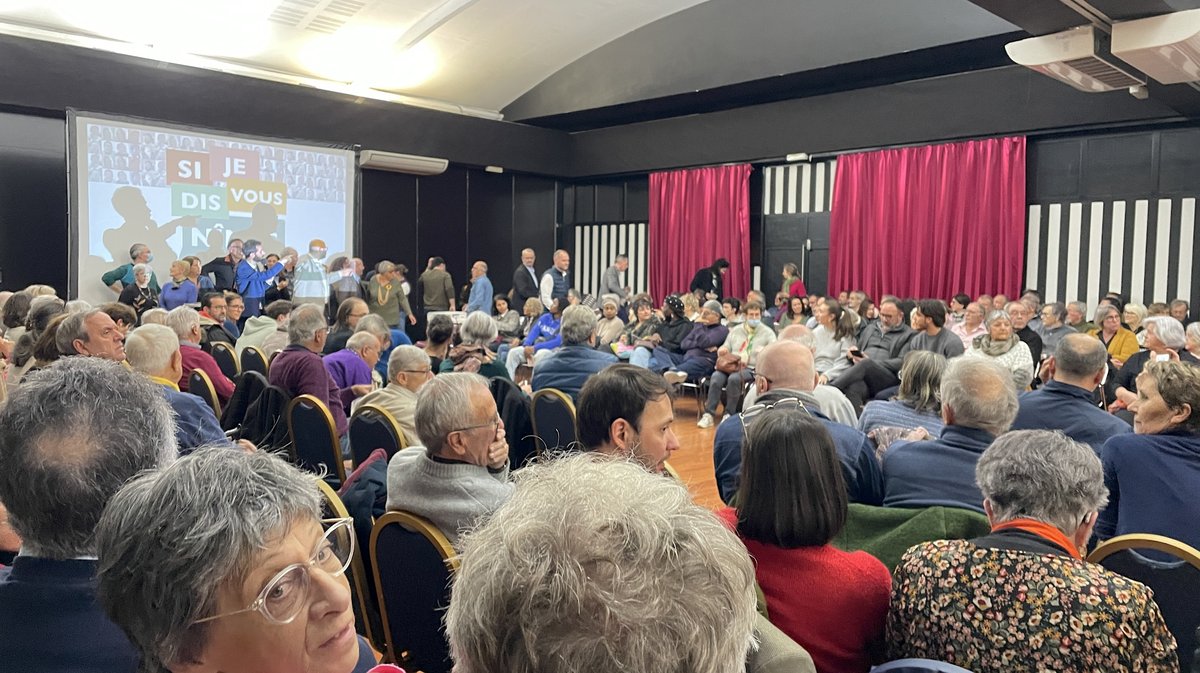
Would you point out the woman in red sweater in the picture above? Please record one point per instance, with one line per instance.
(791, 503)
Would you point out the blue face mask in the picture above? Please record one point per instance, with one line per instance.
(754, 323)
(149, 258)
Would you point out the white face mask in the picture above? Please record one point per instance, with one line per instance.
(754, 323)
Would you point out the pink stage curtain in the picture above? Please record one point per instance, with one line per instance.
(930, 221)
(697, 216)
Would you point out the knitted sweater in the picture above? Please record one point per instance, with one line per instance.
(832, 603)
(897, 414)
(453, 496)
(829, 354)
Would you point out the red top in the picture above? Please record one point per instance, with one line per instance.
(797, 289)
(194, 358)
(833, 603)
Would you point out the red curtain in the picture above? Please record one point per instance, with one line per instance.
(930, 221)
(697, 216)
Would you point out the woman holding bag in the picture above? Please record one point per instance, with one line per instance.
(735, 363)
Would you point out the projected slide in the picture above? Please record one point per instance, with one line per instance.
(188, 192)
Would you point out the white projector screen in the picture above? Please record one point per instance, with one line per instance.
(188, 192)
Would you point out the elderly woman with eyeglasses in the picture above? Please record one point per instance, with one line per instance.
(791, 503)
(221, 562)
(1120, 342)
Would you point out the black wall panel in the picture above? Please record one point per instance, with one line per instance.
(1120, 165)
(585, 203)
(534, 208)
(490, 226)
(1179, 163)
(442, 222)
(610, 202)
(637, 199)
(389, 220)
(33, 202)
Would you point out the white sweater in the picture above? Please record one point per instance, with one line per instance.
(451, 495)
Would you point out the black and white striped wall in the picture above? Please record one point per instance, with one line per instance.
(1079, 251)
(799, 188)
(597, 245)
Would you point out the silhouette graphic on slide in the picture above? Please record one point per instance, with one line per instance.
(140, 227)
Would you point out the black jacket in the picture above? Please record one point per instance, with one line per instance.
(673, 333)
(524, 287)
(224, 273)
(706, 280)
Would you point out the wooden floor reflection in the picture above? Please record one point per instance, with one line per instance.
(694, 459)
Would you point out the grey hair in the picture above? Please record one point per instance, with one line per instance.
(376, 325)
(40, 290)
(1059, 311)
(155, 316)
(304, 323)
(443, 405)
(1079, 355)
(478, 329)
(149, 348)
(1193, 331)
(183, 319)
(77, 306)
(41, 309)
(1168, 330)
(1102, 312)
(73, 434)
(143, 268)
(596, 564)
(921, 380)
(980, 393)
(73, 327)
(578, 325)
(994, 316)
(405, 357)
(1137, 309)
(1042, 475)
(360, 340)
(136, 249)
(172, 540)
(1080, 306)
(385, 267)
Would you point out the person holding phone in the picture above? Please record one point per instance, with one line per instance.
(1165, 341)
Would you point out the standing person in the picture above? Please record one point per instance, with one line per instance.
(708, 283)
(437, 287)
(525, 279)
(224, 269)
(481, 288)
(122, 276)
(385, 296)
(610, 283)
(140, 294)
(202, 282)
(180, 290)
(252, 283)
(555, 282)
(792, 284)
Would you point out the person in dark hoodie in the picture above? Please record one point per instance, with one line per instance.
(662, 348)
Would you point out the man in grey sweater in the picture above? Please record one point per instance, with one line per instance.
(610, 283)
(930, 322)
(461, 472)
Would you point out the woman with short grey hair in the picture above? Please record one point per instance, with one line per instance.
(1120, 342)
(477, 332)
(1002, 346)
(1164, 340)
(221, 561)
(1042, 494)
(139, 294)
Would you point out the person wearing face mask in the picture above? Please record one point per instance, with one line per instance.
(252, 283)
(309, 282)
(122, 276)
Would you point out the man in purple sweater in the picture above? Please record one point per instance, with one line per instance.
(298, 368)
(350, 368)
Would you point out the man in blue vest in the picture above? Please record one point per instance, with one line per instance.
(556, 282)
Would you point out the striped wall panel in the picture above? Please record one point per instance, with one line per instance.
(799, 188)
(597, 245)
(1140, 247)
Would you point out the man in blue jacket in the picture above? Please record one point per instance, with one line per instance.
(252, 283)
(569, 367)
(481, 289)
(63, 460)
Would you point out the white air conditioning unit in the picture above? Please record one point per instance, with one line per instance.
(1165, 47)
(402, 163)
(1078, 57)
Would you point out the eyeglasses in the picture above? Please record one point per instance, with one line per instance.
(494, 423)
(423, 372)
(285, 595)
(754, 410)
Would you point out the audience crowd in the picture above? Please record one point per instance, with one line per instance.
(138, 534)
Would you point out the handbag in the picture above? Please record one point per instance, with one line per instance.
(730, 363)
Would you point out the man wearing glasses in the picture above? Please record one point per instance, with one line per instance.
(461, 472)
(408, 370)
(786, 376)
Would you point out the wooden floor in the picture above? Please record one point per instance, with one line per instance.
(694, 459)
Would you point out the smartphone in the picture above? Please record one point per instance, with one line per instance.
(1162, 358)
(856, 353)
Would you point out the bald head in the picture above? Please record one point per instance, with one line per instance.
(787, 364)
(794, 332)
(1079, 360)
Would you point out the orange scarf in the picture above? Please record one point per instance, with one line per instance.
(1043, 530)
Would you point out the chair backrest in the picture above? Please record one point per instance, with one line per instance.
(517, 414)
(373, 427)
(1175, 583)
(553, 419)
(201, 386)
(254, 360)
(246, 389)
(265, 422)
(413, 564)
(314, 438)
(918, 666)
(226, 359)
(366, 612)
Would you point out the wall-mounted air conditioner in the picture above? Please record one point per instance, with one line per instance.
(1165, 47)
(402, 163)
(1078, 57)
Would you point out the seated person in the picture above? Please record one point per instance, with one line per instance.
(569, 367)
(221, 562)
(438, 332)
(699, 347)
(544, 337)
(833, 339)
(1065, 402)
(1054, 326)
(791, 503)
(477, 332)
(978, 405)
(1152, 475)
(125, 317)
(786, 377)
(187, 325)
(213, 312)
(971, 326)
(1120, 343)
(351, 367)
(917, 403)
(663, 346)
(609, 327)
(1010, 600)
(1164, 339)
(349, 313)
(408, 370)
(639, 579)
(63, 459)
(266, 332)
(744, 342)
(298, 369)
(881, 350)
(460, 471)
(1004, 347)
(627, 411)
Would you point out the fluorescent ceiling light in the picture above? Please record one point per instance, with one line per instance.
(368, 57)
(231, 28)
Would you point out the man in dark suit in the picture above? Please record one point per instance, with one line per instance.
(63, 459)
(525, 280)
